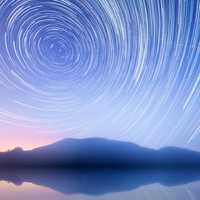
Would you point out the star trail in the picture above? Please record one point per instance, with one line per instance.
(127, 70)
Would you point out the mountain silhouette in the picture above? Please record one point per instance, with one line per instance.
(99, 153)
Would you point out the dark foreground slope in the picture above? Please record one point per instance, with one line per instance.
(98, 153)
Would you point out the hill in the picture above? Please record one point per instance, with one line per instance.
(99, 153)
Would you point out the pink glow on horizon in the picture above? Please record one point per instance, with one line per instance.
(12, 136)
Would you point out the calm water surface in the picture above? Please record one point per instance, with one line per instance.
(104, 184)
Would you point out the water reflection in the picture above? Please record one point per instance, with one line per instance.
(104, 184)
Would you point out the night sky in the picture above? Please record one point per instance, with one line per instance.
(120, 69)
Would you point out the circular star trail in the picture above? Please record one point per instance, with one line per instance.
(120, 69)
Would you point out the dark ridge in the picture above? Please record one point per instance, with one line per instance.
(99, 153)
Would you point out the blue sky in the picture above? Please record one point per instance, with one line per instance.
(127, 70)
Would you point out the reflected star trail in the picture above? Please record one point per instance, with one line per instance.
(127, 70)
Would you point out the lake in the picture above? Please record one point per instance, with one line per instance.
(104, 184)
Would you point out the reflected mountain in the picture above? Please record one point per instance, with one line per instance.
(99, 153)
(98, 182)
